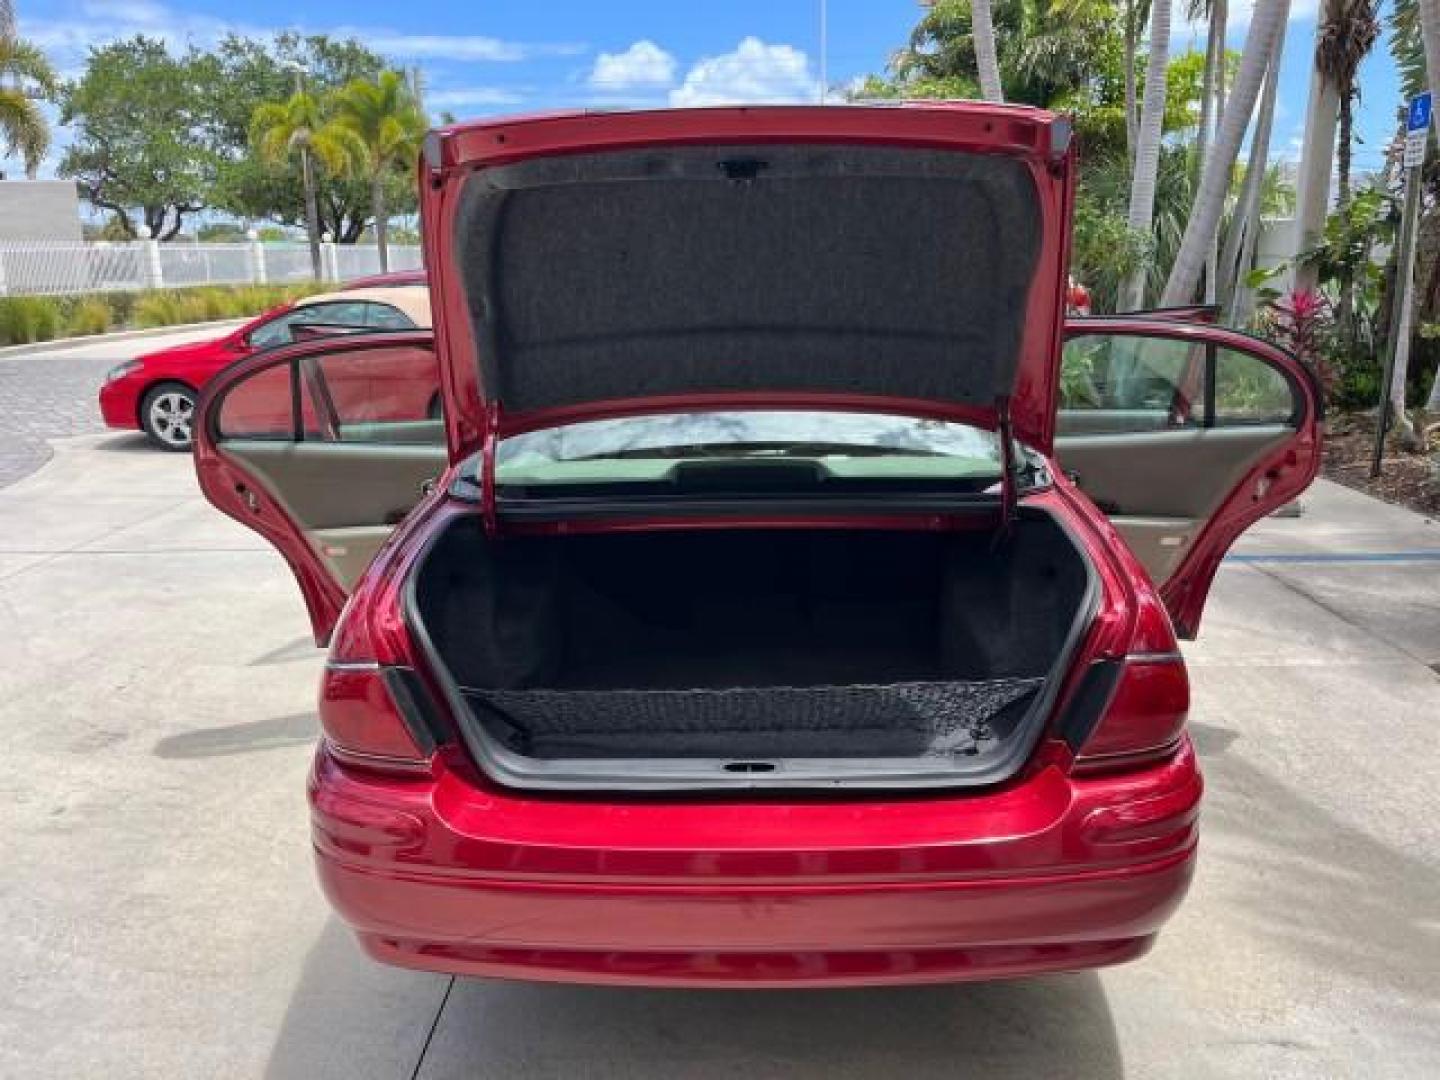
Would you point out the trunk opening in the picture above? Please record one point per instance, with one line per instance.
(751, 657)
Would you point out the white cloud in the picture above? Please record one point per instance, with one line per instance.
(754, 72)
(643, 66)
(98, 22)
(452, 46)
(461, 96)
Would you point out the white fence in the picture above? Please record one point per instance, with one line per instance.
(50, 269)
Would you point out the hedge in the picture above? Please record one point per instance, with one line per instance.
(26, 319)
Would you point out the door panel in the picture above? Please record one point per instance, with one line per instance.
(322, 448)
(348, 552)
(1160, 488)
(1184, 435)
(345, 497)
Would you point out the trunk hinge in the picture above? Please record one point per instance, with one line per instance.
(488, 515)
(1008, 494)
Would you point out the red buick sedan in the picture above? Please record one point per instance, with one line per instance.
(789, 594)
(156, 393)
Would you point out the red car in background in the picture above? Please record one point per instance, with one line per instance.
(790, 593)
(156, 393)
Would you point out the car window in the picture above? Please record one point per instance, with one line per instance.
(388, 395)
(1249, 391)
(1118, 383)
(278, 331)
(845, 446)
(1131, 383)
(261, 407)
(385, 317)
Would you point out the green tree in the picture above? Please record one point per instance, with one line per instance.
(303, 128)
(244, 72)
(139, 143)
(25, 75)
(1346, 36)
(389, 126)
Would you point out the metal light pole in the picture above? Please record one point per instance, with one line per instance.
(824, 49)
(307, 181)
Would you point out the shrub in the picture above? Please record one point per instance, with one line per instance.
(25, 319)
(91, 315)
(157, 309)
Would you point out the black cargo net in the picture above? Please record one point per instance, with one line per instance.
(905, 719)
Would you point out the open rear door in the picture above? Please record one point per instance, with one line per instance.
(1184, 435)
(322, 448)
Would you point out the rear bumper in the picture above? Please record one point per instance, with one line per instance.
(433, 894)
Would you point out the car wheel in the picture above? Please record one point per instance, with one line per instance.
(167, 414)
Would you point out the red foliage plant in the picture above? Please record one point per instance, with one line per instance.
(1301, 320)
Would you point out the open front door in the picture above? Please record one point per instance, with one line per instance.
(1184, 435)
(322, 448)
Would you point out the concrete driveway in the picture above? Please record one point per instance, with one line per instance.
(158, 916)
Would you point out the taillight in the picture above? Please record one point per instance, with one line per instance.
(1131, 712)
(1141, 719)
(372, 704)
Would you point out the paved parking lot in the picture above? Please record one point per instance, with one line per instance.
(158, 916)
(51, 392)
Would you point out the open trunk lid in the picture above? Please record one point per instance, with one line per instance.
(893, 259)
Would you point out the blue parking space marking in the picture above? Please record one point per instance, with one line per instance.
(1341, 557)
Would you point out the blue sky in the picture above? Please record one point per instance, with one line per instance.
(486, 58)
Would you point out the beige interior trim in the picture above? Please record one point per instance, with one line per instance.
(1159, 543)
(345, 497)
(347, 552)
(1161, 487)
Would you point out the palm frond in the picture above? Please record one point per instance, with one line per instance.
(23, 128)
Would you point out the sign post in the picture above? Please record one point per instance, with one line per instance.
(1417, 133)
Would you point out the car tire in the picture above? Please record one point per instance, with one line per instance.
(167, 414)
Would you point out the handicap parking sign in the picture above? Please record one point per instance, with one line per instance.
(1419, 118)
(1417, 130)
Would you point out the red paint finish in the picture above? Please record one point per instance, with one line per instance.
(451, 873)
(195, 364)
(192, 365)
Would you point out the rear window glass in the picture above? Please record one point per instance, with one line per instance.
(845, 445)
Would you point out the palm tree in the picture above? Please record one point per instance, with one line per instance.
(1266, 25)
(986, 62)
(1133, 18)
(1147, 150)
(1345, 37)
(388, 125)
(299, 125)
(1212, 105)
(25, 75)
(1244, 228)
